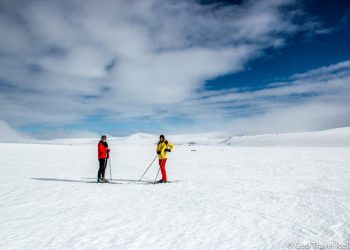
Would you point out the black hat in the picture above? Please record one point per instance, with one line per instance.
(103, 137)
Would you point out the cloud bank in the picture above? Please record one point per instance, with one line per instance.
(313, 100)
(62, 62)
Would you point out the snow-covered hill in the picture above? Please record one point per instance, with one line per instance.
(228, 195)
(339, 137)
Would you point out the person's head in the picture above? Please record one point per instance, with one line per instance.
(103, 137)
(161, 138)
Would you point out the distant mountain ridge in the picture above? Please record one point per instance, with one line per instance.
(337, 137)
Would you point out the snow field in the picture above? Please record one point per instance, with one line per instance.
(228, 198)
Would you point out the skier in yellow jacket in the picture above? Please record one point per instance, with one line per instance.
(163, 147)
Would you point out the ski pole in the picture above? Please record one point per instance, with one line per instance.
(104, 167)
(148, 168)
(156, 176)
(110, 170)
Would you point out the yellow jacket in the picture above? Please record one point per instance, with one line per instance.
(161, 147)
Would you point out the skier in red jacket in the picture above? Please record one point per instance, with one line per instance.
(103, 155)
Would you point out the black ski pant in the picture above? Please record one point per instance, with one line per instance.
(102, 168)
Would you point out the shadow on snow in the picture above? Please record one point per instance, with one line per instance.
(119, 181)
(66, 180)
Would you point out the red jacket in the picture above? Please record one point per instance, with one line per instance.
(103, 153)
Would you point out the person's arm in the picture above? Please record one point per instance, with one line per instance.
(169, 146)
(99, 151)
(158, 150)
(102, 150)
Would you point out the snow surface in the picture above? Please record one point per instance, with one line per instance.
(229, 196)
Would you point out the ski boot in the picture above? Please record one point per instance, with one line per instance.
(161, 181)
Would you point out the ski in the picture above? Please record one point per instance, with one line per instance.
(157, 182)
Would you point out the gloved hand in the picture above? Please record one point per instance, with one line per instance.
(167, 150)
(158, 152)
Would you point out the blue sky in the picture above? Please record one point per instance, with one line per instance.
(303, 52)
(84, 68)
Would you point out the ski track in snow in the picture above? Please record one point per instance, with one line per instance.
(226, 198)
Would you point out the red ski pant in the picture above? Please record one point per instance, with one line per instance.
(162, 168)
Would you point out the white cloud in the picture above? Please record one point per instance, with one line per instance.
(317, 99)
(65, 133)
(331, 69)
(64, 60)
